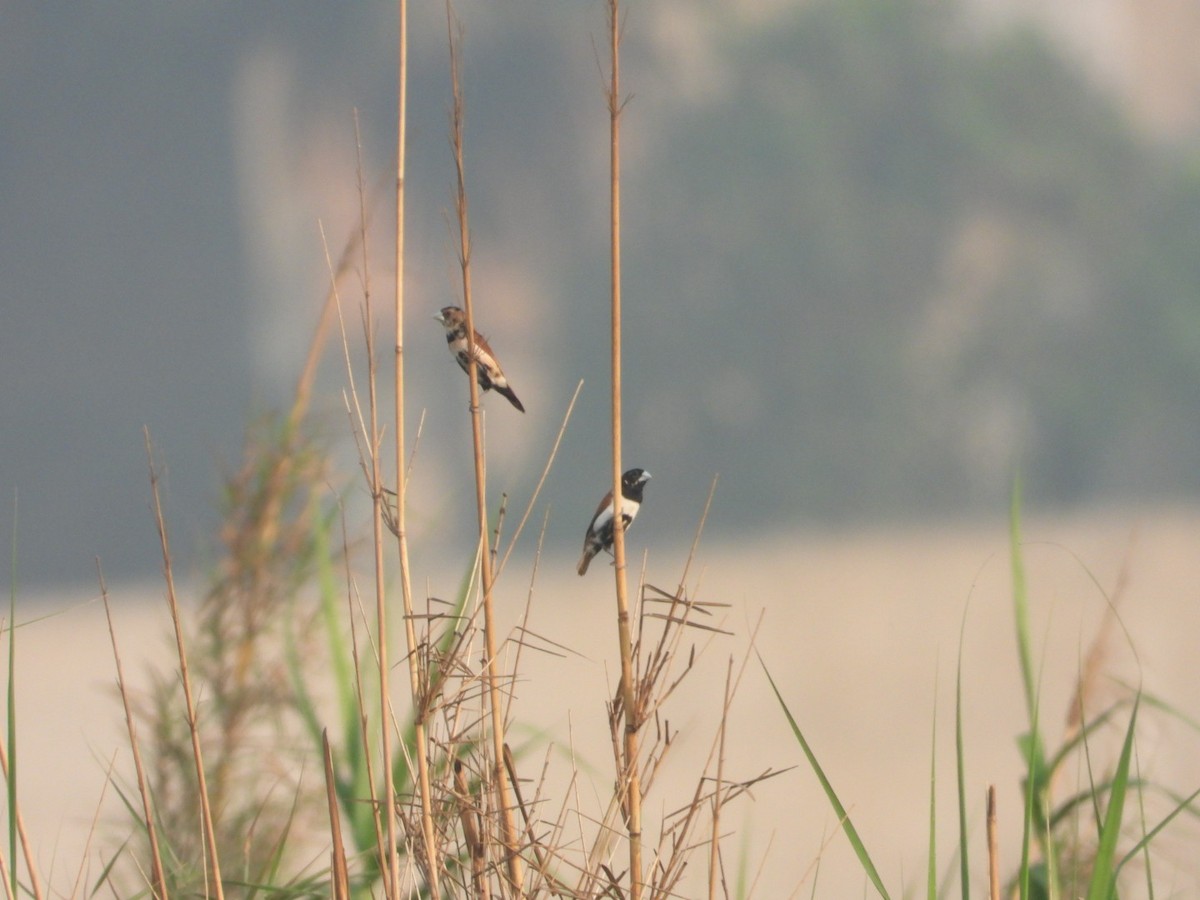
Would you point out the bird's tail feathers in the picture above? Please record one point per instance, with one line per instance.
(510, 395)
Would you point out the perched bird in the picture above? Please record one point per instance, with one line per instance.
(490, 374)
(600, 530)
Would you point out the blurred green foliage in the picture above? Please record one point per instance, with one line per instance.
(921, 255)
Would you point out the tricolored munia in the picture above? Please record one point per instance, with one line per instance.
(491, 376)
(600, 530)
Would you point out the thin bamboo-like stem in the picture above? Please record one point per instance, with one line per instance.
(629, 777)
(210, 835)
(504, 805)
(416, 676)
(158, 884)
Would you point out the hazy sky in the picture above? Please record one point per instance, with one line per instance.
(166, 171)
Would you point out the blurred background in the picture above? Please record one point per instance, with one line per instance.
(878, 256)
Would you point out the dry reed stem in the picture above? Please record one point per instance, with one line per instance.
(375, 440)
(210, 837)
(715, 851)
(687, 566)
(158, 884)
(562, 428)
(662, 654)
(416, 681)
(369, 464)
(504, 810)
(468, 815)
(993, 845)
(339, 874)
(312, 359)
(543, 850)
(523, 632)
(628, 774)
(669, 867)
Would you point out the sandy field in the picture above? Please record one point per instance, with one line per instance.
(860, 630)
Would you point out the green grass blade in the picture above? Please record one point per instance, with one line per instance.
(1103, 885)
(1154, 832)
(856, 843)
(331, 606)
(1021, 599)
(107, 870)
(1037, 770)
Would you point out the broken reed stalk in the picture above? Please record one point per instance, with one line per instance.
(210, 836)
(504, 806)
(339, 875)
(158, 884)
(415, 675)
(629, 777)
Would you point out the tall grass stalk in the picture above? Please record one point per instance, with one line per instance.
(158, 881)
(628, 774)
(420, 733)
(504, 806)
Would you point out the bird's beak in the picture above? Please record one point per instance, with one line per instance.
(439, 318)
(645, 476)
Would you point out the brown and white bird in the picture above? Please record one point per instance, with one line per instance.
(491, 376)
(600, 530)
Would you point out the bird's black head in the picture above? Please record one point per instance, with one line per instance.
(450, 316)
(633, 482)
